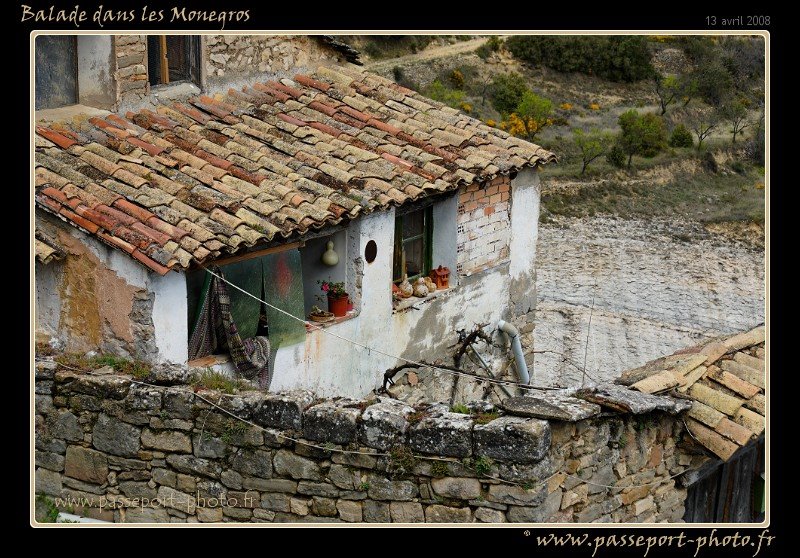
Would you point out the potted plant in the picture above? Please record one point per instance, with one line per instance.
(338, 299)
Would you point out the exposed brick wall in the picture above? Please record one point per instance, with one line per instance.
(131, 67)
(484, 225)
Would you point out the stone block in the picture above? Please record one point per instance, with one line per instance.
(513, 439)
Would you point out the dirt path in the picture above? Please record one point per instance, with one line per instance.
(428, 54)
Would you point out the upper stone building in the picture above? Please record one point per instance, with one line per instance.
(249, 158)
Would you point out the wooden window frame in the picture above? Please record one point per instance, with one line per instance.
(427, 242)
(193, 61)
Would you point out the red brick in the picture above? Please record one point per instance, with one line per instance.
(472, 188)
(492, 190)
(488, 210)
(504, 196)
(505, 188)
(80, 221)
(497, 198)
(465, 197)
(470, 206)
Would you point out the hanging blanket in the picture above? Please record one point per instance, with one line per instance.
(216, 330)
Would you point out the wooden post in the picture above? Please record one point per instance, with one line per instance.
(162, 42)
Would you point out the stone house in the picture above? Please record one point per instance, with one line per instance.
(250, 154)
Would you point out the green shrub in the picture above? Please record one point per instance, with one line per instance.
(460, 408)
(493, 44)
(507, 92)
(616, 58)
(440, 92)
(681, 137)
(616, 156)
(738, 167)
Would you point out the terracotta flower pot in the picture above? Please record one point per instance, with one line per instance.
(338, 305)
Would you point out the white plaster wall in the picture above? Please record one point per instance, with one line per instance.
(314, 269)
(169, 316)
(95, 70)
(525, 196)
(331, 366)
(48, 304)
(445, 235)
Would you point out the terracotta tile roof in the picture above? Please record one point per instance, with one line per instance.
(724, 378)
(194, 181)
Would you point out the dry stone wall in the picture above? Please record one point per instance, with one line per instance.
(109, 448)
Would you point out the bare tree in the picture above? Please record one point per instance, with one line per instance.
(667, 89)
(734, 112)
(702, 121)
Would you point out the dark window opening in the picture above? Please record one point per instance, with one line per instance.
(413, 244)
(173, 58)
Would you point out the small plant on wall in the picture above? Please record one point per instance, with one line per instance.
(338, 298)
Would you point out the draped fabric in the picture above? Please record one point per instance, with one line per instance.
(215, 330)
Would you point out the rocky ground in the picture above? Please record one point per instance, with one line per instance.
(650, 286)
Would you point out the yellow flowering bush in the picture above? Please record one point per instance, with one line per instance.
(594, 106)
(565, 106)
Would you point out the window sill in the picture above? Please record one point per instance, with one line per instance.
(312, 325)
(413, 302)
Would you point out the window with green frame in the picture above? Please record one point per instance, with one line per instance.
(413, 244)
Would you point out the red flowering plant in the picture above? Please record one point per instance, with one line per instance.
(334, 289)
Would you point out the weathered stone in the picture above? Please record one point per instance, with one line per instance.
(254, 463)
(168, 440)
(264, 515)
(138, 490)
(82, 486)
(209, 446)
(513, 439)
(44, 387)
(104, 387)
(507, 494)
(641, 506)
(381, 488)
(48, 460)
(488, 515)
(86, 464)
(406, 512)
(324, 507)
(361, 460)
(384, 425)
(186, 483)
(115, 437)
(231, 479)
(146, 515)
(143, 398)
(577, 495)
(209, 515)
(288, 464)
(243, 499)
(194, 465)
(458, 488)
(625, 400)
(332, 421)
(589, 513)
(65, 426)
(350, 511)
(43, 404)
(343, 477)
(270, 485)
(165, 477)
(378, 512)
(210, 490)
(525, 472)
(443, 433)
(352, 495)
(317, 489)
(276, 502)
(177, 403)
(283, 410)
(550, 406)
(156, 423)
(445, 514)
(171, 498)
(48, 482)
(122, 463)
(300, 506)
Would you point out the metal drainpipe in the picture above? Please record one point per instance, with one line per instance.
(516, 347)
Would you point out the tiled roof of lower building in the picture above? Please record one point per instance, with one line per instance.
(726, 381)
(191, 182)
